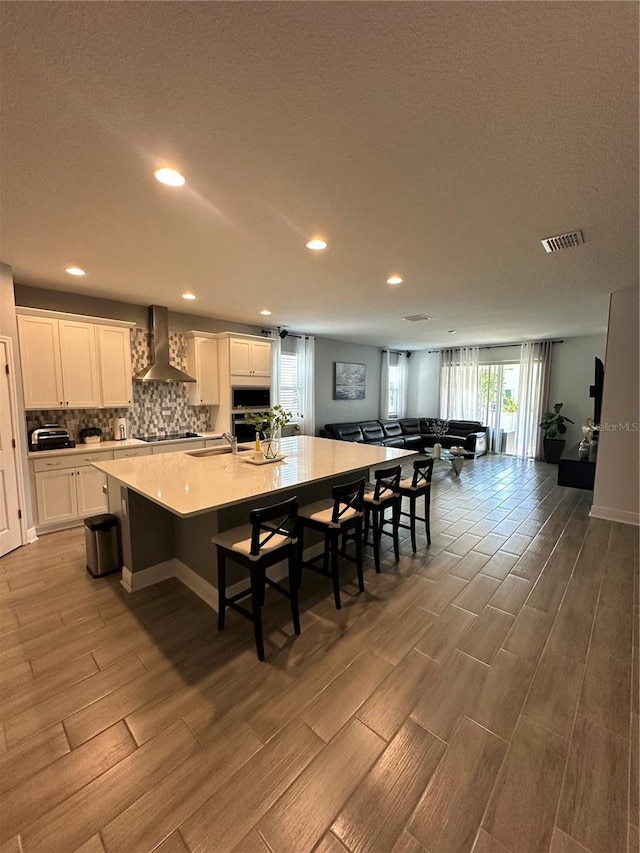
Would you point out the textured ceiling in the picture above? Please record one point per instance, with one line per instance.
(438, 140)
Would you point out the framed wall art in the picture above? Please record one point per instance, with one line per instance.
(350, 381)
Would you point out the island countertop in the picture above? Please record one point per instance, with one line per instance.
(187, 485)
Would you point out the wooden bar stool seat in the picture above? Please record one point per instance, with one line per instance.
(414, 487)
(269, 538)
(378, 497)
(337, 518)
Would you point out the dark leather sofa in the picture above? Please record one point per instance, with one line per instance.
(413, 433)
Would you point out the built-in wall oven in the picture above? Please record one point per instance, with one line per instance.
(243, 399)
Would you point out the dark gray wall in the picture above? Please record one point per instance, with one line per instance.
(329, 410)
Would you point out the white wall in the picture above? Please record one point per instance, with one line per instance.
(572, 372)
(423, 395)
(9, 328)
(616, 489)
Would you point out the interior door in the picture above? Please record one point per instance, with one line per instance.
(10, 536)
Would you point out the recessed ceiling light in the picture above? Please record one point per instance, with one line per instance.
(170, 177)
(453, 331)
(317, 244)
(75, 271)
(265, 312)
(188, 296)
(394, 279)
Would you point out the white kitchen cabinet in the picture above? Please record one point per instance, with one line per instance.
(90, 491)
(56, 496)
(79, 361)
(68, 487)
(40, 359)
(202, 364)
(114, 361)
(249, 358)
(132, 452)
(73, 363)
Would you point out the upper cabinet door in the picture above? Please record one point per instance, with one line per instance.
(261, 358)
(40, 359)
(202, 364)
(114, 349)
(207, 374)
(79, 357)
(240, 357)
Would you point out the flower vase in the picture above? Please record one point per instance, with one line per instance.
(271, 444)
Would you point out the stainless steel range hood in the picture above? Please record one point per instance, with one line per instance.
(160, 370)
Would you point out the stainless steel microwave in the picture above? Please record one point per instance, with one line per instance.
(251, 398)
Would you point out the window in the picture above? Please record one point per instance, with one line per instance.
(395, 384)
(293, 380)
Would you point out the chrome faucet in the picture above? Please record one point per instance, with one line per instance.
(233, 441)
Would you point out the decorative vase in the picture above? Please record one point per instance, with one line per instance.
(271, 444)
(437, 450)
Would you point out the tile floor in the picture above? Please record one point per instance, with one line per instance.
(480, 696)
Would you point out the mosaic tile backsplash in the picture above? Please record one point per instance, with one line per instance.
(157, 407)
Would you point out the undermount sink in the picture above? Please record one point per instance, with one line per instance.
(214, 451)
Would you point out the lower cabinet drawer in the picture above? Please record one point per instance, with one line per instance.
(71, 460)
(130, 452)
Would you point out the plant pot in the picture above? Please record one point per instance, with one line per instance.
(92, 439)
(553, 448)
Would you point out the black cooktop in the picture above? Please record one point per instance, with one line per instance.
(167, 436)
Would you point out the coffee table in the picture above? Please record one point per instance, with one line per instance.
(454, 455)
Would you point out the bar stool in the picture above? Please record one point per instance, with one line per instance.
(377, 499)
(270, 536)
(335, 518)
(419, 485)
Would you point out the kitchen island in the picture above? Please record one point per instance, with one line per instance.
(169, 506)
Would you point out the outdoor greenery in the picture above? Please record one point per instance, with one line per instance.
(553, 423)
(488, 392)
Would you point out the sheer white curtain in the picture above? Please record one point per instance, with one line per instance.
(308, 378)
(384, 386)
(293, 379)
(393, 385)
(535, 370)
(459, 374)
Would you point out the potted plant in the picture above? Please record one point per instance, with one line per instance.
(91, 435)
(267, 425)
(553, 425)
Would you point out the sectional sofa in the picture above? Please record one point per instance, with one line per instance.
(413, 433)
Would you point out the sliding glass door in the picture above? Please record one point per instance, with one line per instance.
(498, 394)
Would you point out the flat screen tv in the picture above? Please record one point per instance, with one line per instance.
(595, 390)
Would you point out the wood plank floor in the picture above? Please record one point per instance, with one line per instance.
(480, 696)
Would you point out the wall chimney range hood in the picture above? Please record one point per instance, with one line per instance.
(160, 370)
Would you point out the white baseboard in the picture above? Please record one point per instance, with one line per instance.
(32, 536)
(133, 581)
(620, 515)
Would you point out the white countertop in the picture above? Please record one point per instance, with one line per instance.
(96, 447)
(188, 485)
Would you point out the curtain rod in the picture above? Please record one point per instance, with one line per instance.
(496, 346)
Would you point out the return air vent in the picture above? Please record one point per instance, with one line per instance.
(416, 318)
(563, 241)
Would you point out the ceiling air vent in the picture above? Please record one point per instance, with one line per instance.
(563, 241)
(416, 318)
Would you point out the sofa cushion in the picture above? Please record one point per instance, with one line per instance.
(372, 431)
(345, 432)
(392, 429)
(410, 426)
(463, 427)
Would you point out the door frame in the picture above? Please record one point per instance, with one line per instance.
(27, 534)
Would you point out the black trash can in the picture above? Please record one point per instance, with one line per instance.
(103, 544)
